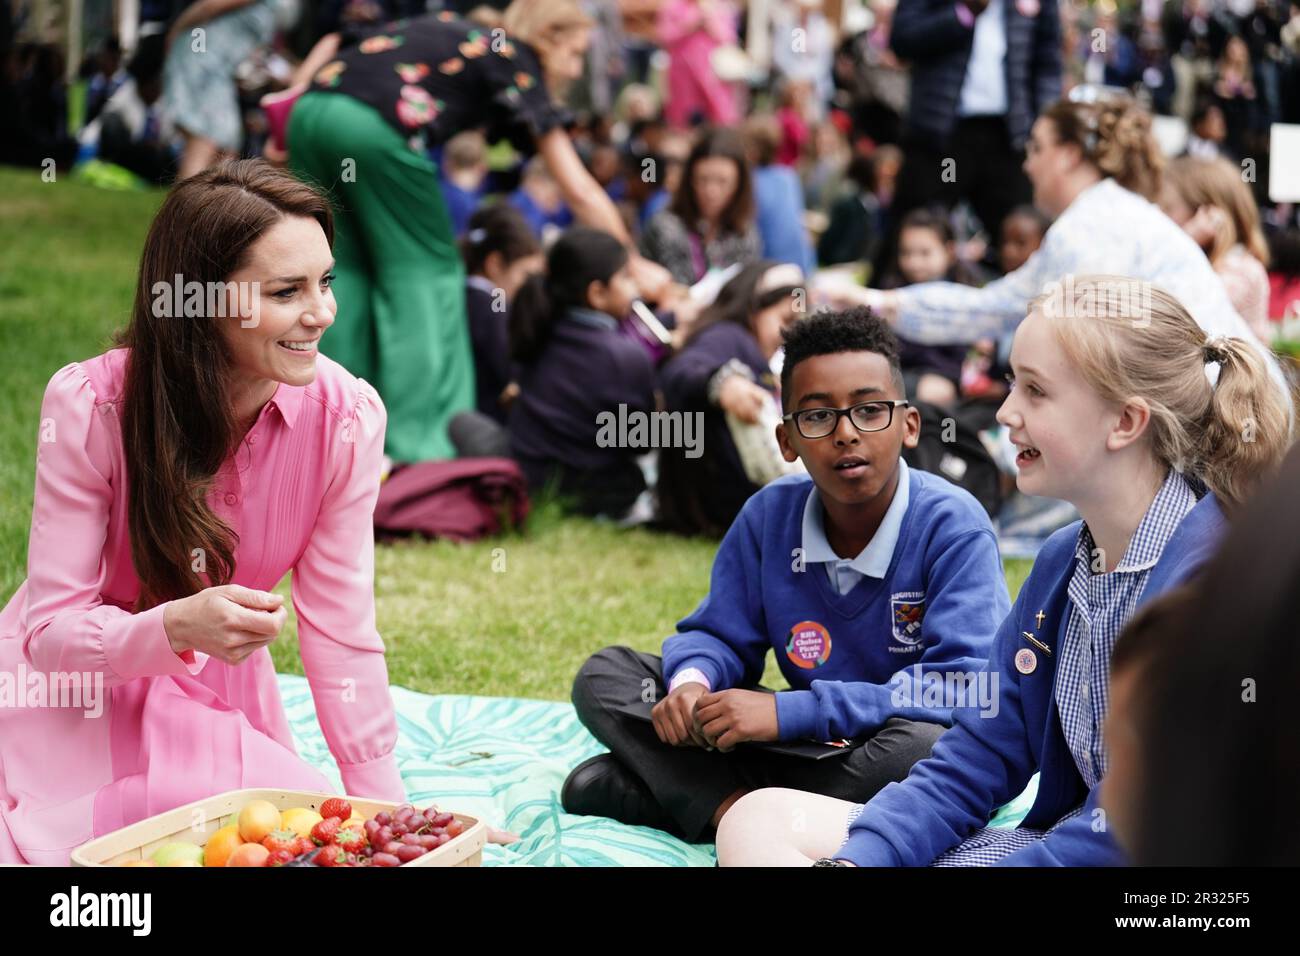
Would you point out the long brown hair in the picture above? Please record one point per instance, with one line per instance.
(723, 143)
(177, 413)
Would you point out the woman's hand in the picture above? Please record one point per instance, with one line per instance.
(273, 154)
(842, 295)
(742, 398)
(228, 622)
(652, 279)
(1208, 226)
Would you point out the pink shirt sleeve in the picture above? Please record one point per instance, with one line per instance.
(67, 626)
(334, 597)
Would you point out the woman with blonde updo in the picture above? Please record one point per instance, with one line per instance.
(1097, 169)
(1213, 204)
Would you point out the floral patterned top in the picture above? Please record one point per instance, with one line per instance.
(434, 76)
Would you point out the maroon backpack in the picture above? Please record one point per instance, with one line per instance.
(460, 500)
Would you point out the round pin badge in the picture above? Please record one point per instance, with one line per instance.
(1026, 660)
(1028, 8)
(808, 645)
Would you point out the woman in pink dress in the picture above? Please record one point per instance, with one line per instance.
(178, 477)
(690, 30)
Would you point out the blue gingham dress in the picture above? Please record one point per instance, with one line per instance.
(1100, 605)
(199, 91)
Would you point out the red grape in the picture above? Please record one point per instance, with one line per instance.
(385, 859)
(408, 853)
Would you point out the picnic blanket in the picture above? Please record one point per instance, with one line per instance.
(504, 760)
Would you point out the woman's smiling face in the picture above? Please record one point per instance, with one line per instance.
(284, 304)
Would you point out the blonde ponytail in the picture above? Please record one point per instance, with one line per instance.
(1130, 339)
(1246, 431)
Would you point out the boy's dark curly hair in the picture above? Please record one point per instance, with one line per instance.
(824, 333)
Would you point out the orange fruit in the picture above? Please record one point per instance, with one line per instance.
(257, 819)
(221, 844)
(248, 854)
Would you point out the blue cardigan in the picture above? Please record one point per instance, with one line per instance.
(981, 763)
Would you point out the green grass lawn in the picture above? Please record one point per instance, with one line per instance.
(452, 624)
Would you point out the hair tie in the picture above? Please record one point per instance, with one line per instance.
(476, 235)
(1215, 349)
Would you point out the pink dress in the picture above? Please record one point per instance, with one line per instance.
(1246, 280)
(690, 36)
(168, 729)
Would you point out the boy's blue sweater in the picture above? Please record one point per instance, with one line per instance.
(981, 763)
(935, 612)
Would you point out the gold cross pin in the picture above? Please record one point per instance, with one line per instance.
(1038, 619)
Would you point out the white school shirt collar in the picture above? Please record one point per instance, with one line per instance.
(874, 560)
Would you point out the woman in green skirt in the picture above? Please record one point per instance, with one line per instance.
(376, 103)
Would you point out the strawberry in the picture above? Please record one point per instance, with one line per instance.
(350, 839)
(279, 857)
(303, 845)
(281, 840)
(324, 831)
(336, 807)
(332, 856)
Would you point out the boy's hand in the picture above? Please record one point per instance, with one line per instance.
(674, 717)
(730, 717)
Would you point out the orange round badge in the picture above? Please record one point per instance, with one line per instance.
(809, 645)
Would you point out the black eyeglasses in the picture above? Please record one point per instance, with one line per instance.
(865, 416)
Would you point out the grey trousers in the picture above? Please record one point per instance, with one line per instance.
(691, 783)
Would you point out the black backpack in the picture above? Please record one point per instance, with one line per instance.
(963, 459)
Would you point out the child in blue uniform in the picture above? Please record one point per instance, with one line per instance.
(866, 579)
(1112, 409)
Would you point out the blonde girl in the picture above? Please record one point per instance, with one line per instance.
(1122, 406)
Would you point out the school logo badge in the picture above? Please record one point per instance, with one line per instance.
(908, 609)
(808, 645)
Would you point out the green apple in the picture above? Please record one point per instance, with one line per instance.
(178, 854)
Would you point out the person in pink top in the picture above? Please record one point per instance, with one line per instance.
(690, 30)
(178, 477)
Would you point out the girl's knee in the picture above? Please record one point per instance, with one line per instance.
(758, 816)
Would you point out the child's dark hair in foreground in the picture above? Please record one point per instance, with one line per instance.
(824, 333)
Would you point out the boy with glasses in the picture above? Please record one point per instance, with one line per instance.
(877, 588)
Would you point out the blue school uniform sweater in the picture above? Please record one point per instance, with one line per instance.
(981, 763)
(851, 660)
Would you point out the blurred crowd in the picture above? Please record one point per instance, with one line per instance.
(746, 147)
